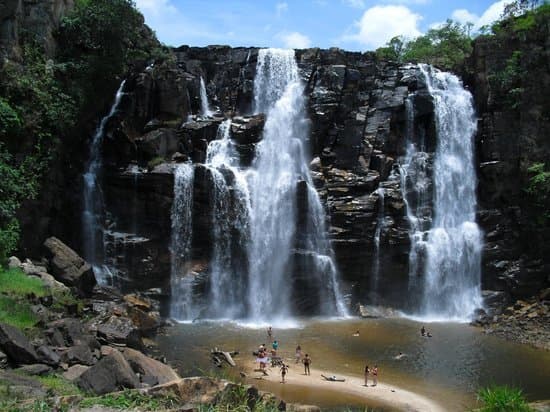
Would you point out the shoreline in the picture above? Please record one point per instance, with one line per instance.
(383, 393)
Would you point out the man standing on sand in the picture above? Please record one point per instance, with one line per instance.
(367, 371)
(375, 375)
(306, 361)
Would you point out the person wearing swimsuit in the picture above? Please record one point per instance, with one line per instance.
(284, 370)
(375, 375)
(367, 371)
(306, 361)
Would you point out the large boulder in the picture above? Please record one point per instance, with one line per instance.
(16, 345)
(68, 267)
(150, 369)
(120, 331)
(110, 374)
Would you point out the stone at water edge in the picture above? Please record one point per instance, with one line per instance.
(16, 345)
(68, 267)
(148, 367)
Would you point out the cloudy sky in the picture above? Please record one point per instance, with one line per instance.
(349, 24)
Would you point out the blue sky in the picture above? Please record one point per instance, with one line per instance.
(349, 24)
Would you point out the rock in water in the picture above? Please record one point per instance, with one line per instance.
(16, 345)
(68, 267)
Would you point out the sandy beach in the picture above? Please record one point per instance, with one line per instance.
(390, 395)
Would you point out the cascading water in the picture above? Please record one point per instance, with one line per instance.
(451, 287)
(230, 213)
(205, 108)
(92, 215)
(182, 306)
(453, 268)
(375, 276)
(280, 163)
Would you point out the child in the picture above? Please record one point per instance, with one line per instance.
(284, 370)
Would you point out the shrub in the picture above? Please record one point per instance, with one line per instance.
(502, 399)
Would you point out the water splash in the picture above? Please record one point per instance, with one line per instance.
(93, 211)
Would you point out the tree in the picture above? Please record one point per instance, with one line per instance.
(393, 49)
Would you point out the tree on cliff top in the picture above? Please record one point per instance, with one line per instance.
(445, 47)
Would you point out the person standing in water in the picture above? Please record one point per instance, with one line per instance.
(270, 333)
(375, 375)
(367, 371)
(284, 370)
(306, 361)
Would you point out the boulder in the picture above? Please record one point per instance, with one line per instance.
(120, 331)
(14, 262)
(52, 284)
(194, 390)
(30, 268)
(48, 356)
(110, 374)
(3, 360)
(68, 267)
(75, 372)
(149, 368)
(16, 345)
(80, 354)
(147, 322)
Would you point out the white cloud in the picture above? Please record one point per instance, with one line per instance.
(380, 23)
(489, 16)
(295, 40)
(408, 1)
(155, 7)
(358, 4)
(281, 8)
(463, 16)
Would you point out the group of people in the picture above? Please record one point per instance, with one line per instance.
(373, 372)
(424, 333)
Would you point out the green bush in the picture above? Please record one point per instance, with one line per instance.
(502, 399)
(538, 189)
(129, 400)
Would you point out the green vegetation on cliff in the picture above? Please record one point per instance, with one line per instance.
(445, 47)
(46, 103)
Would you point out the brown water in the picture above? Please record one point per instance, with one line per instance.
(449, 367)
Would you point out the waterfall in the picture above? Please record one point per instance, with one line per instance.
(230, 213)
(450, 284)
(279, 164)
(93, 210)
(375, 276)
(181, 280)
(205, 108)
(453, 268)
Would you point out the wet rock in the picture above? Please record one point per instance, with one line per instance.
(110, 374)
(158, 143)
(148, 368)
(146, 322)
(68, 267)
(247, 130)
(16, 345)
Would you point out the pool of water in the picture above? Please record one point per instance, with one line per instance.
(448, 367)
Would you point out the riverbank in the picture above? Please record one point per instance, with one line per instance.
(382, 394)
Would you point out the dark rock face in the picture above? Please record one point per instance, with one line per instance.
(512, 136)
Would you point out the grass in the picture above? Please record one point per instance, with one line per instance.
(502, 399)
(15, 282)
(131, 399)
(59, 385)
(16, 313)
